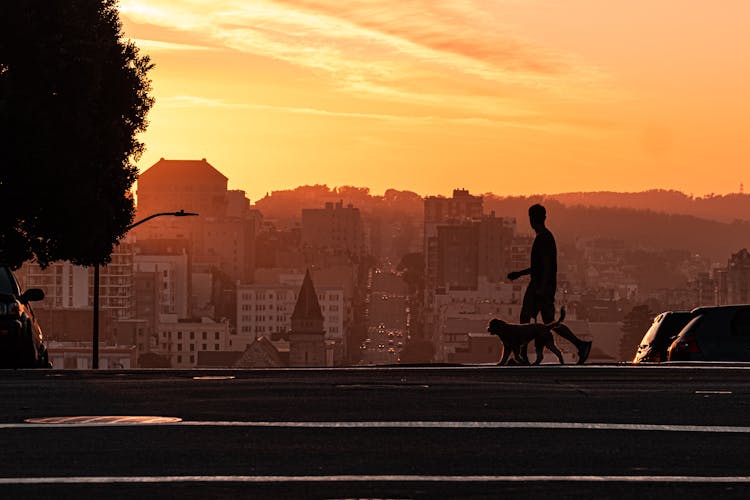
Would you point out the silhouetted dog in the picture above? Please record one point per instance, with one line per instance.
(513, 336)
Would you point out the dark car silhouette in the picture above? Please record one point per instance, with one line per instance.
(661, 334)
(21, 339)
(719, 333)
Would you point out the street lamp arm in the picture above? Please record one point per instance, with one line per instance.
(181, 213)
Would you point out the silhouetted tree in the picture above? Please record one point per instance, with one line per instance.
(634, 326)
(411, 268)
(73, 97)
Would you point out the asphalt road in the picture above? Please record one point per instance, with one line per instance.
(447, 432)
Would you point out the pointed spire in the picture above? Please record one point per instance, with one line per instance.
(307, 306)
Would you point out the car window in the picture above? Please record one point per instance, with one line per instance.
(691, 327)
(665, 327)
(7, 282)
(741, 323)
(651, 332)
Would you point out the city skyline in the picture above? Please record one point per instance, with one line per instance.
(509, 97)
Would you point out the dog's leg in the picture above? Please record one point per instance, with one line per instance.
(522, 350)
(520, 357)
(539, 346)
(552, 347)
(506, 355)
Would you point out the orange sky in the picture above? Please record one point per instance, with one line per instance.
(503, 96)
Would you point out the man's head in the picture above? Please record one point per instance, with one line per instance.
(537, 215)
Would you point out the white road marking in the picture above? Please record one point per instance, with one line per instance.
(713, 392)
(164, 421)
(100, 420)
(382, 386)
(368, 478)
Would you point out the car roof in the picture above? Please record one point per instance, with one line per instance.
(711, 309)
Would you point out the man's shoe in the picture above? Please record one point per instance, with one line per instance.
(583, 352)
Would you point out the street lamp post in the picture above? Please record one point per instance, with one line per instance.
(95, 346)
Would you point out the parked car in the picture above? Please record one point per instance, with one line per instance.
(661, 334)
(719, 333)
(21, 339)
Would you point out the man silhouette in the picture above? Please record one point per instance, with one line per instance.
(540, 294)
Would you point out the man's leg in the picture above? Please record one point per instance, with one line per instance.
(528, 310)
(548, 316)
(528, 307)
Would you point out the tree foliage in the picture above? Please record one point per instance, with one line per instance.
(73, 97)
(411, 268)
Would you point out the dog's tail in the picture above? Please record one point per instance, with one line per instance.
(555, 324)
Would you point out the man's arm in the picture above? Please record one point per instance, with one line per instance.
(514, 275)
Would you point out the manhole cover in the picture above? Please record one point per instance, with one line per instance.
(104, 420)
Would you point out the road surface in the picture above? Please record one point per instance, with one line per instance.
(435, 432)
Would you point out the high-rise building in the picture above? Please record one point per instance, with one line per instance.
(68, 293)
(440, 211)
(495, 243)
(223, 236)
(335, 228)
(458, 256)
(465, 251)
(738, 278)
(191, 185)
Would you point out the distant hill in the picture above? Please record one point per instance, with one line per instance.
(725, 208)
(645, 229)
(713, 226)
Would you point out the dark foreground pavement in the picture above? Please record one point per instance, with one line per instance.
(447, 432)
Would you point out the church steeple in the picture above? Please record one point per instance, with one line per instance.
(307, 336)
(307, 306)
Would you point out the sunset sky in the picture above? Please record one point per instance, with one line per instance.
(503, 96)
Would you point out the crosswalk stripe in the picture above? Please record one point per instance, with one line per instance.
(595, 426)
(367, 478)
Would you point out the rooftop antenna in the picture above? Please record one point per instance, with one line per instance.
(742, 188)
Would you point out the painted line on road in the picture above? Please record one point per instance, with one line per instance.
(395, 425)
(368, 478)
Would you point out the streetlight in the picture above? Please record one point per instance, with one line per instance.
(95, 346)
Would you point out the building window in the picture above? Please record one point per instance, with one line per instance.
(216, 347)
(192, 347)
(216, 335)
(205, 335)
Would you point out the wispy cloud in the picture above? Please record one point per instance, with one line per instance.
(158, 45)
(529, 121)
(380, 48)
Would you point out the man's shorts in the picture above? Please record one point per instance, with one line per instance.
(534, 304)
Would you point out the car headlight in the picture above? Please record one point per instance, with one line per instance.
(10, 309)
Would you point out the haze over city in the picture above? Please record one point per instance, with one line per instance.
(425, 249)
(505, 96)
